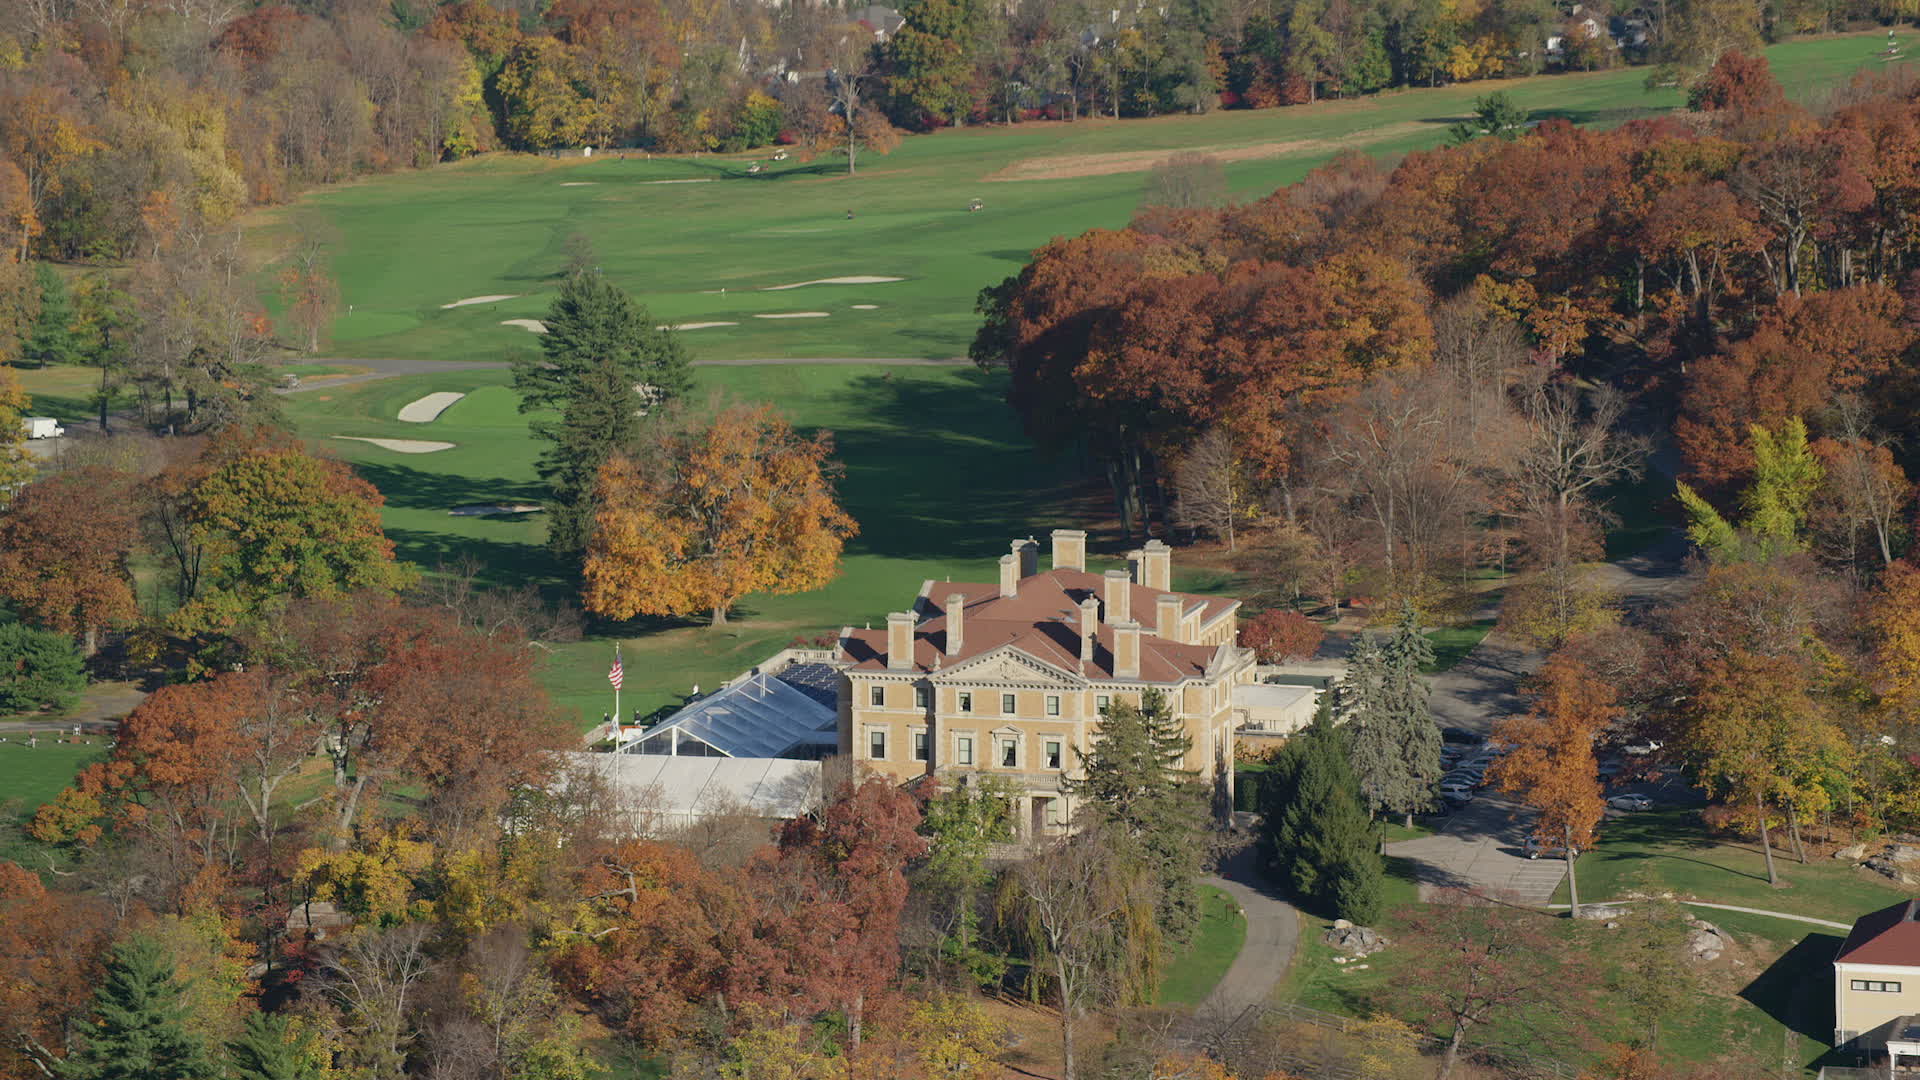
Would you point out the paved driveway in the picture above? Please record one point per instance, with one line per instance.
(1479, 848)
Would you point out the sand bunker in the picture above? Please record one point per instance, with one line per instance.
(401, 446)
(695, 325)
(428, 408)
(579, 183)
(859, 279)
(534, 325)
(479, 300)
(1068, 166)
(702, 180)
(866, 307)
(795, 315)
(489, 509)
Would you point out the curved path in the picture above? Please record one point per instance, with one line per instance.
(1273, 928)
(1722, 907)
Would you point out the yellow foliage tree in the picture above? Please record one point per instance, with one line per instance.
(717, 510)
(16, 465)
(955, 1037)
(373, 883)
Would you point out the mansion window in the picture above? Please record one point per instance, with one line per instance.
(877, 745)
(1053, 704)
(920, 745)
(1053, 753)
(1876, 986)
(1103, 700)
(966, 701)
(1006, 704)
(878, 696)
(963, 749)
(1010, 753)
(920, 697)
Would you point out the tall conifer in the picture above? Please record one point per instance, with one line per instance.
(138, 1030)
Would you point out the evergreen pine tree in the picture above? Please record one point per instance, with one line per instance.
(1396, 745)
(1317, 834)
(603, 364)
(52, 340)
(138, 1031)
(269, 1050)
(1133, 782)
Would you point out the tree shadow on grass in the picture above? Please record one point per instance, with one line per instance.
(409, 488)
(937, 469)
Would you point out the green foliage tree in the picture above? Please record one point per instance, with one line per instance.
(1494, 115)
(932, 57)
(38, 669)
(603, 365)
(16, 463)
(272, 1049)
(1316, 832)
(1395, 743)
(1774, 505)
(138, 1030)
(1133, 783)
(52, 340)
(960, 824)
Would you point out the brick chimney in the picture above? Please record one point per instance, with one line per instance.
(1118, 593)
(1009, 575)
(1157, 565)
(900, 640)
(1089, 628)
(1028, 552)
(1126, 650)
(1166, 611)
(1069, 549)
(956, 612)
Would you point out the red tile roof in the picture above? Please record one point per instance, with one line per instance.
(1887, 936)
(1042, 620)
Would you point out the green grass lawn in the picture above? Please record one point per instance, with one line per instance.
(1669, 851)
(1451, 644)
(411, 242)
(1192, 975)
(30, 777)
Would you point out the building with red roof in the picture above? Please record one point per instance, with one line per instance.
(1876, 985)
(1010, 678)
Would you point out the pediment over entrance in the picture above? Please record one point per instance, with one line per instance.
(1005, 667)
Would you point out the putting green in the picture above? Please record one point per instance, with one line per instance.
(409, 243)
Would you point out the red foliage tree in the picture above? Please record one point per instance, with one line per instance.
(64, 543)
(1276, 636)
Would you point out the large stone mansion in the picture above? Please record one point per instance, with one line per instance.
(1009, 678)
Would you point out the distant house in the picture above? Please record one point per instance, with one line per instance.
(1876, 985)
(882, 20)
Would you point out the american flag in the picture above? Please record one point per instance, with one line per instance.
(614, 674)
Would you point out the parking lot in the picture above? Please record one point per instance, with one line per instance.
(1479, 847)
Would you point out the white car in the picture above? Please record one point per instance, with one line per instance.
(1630, 802)
(1537, 848)
(1641, 747)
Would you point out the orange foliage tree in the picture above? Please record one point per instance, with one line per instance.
(1551, 766)
(717, 510)
(64, 543)
(49, 945)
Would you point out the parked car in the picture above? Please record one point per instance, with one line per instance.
(1630, 802)
(1459, 794)
(1461, 736)
(1536, 848)
(1641, 747)
(1610, 769)
(42, 427)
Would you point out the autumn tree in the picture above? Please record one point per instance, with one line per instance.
(1186, 180)
(278, 524)
(1551, 766)
(64, 545)
(1775, 505)
(1483, 963)
(50, 949)
(1211, 488)
(308, 288)
(1276, 636)
(16, 464)
(717, 509)
(603, 365)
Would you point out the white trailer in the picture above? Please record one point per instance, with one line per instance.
(42, 427)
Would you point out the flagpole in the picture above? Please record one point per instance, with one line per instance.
(616, 696)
